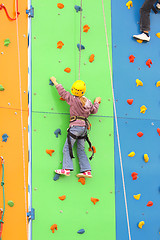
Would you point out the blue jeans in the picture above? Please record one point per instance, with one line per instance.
(83, 160)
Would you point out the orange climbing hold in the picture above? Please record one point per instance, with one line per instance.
(62, 197)
(53, 227)
(94, 200)
(139, 134)
(50, 151)
(86, 28)
(91, 59)
(134, 175)
(150, 204)
(149, 62)
(158, 130)
(94, 149)
(130, 101)
(60, 5)
(82, 180)
(131, 58)
(60, 44)
(62, 99)
(67, 70)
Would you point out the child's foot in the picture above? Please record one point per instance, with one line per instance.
(143, 36)
(86, 174)
(63, 172)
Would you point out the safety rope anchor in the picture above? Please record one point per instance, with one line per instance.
(30, 12)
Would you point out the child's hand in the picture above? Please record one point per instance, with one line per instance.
(98, 100)
(53, 79)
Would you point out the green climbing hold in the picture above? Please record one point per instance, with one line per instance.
(6, 42)
(1, 88)
(11, 203)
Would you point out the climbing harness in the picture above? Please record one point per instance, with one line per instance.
(5, 9)
(2, 210)
(85, 137)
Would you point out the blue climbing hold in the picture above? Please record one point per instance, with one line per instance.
(58, 131)
(4, 137)
(81, 231)
(78, 8)
(51, 83)
(80, 46)
(56, 177)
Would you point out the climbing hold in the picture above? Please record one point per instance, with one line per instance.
(139, 82)
(149, 62)
(143, 109)
(94, 149)
(78, 8)
(81, 231)
(60, 5)
(82, 180)
(67, 70)
(62, 99)
(131, 58)
(50, 152)
(158, 130)
(80, 46)
(140, 224)
(58, 131)
(137, 197)
(53, 227)
(134, 175)
(150, 204)
(130, 101)
(62, 197)
(10, 203)
(94, 200)
(131, 154)
(86, 28)
(60, 44)
(158, 84)
(139, 41)
(146, 158)
(4, 137)
(91, 59)
(7, 42)
(56, 177)
(158, 34)
(129, 4)
(1, 88)
(51, 83)
(139, 134)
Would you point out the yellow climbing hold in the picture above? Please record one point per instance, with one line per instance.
(131, 154)
(137, 197)
(158, 34)
(143, 109)
(139, 82)
(158, 84)
(146, 158)
(129, 4)
(140, 224)
(139, 41)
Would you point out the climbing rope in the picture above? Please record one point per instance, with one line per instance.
(118, 139)
(2, 210)
(80, 40)
(5, 9)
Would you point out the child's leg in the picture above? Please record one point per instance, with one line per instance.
(67, 160)
(83, 160)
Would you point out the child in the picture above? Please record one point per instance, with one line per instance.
(145, 19)
(80, 109)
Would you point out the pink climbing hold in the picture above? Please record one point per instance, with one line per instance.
(150, 204)
(158, 130)
(130, 101)
(149, 62)
(131, 58)
(139, 134)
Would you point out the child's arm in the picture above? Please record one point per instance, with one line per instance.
(95, 106)
(62, 92)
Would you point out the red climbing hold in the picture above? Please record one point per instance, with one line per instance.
(62, 197)
(60, 44)
(94, 149)
(131, 58)
(86, 28)
(150, 204)
(149, 62)
(158, 130)
(91, 59)
(62, 99)
(67, 70)
(94, 200)
(130, 101)
(139, 134)
(60, 5)
(82, 180)
(50, 151)
(134, 175)
(53, 227)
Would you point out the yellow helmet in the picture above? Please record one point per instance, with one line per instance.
(78, 88)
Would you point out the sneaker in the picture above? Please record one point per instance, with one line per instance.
(86, 174)
(142, 36)
(63, 172)
(158, 6)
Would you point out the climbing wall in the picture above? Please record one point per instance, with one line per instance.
(125, 23)
(49, 26)
(11, 146)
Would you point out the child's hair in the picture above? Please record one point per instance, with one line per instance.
(83, 100)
